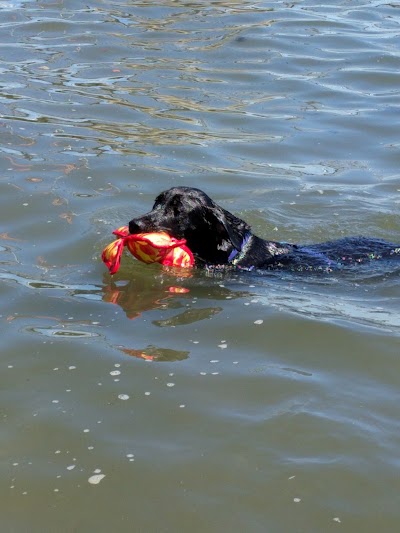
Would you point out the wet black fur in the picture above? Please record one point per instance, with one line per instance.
(217, 237)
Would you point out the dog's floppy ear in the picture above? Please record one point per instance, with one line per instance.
(232, 227)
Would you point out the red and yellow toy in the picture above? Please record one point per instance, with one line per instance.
(157, 247)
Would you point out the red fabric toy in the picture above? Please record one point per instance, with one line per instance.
(157, 247)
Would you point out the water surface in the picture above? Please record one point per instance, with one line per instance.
(252, 402)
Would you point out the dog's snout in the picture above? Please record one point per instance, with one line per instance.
(134, 227)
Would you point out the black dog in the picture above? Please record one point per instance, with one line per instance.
(218, 238)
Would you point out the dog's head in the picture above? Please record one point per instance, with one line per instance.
(211, 232)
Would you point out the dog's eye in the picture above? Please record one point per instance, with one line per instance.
(176, 206)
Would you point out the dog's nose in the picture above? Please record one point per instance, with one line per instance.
(134, 227)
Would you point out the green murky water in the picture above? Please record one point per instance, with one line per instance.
(250, 403)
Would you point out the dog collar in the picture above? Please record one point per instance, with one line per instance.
(236, 255)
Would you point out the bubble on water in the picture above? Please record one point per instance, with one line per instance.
(222, 346)
(55, 401)
(117, 365)
(203, 373)
(86, 430)
(90, 447)
(214, 361)
(147, 393)
(337, 519)
(260, 321)
(95, 479)
(182, 406)
(71, 467)
(170, 384)
(297, 500)
(72, 367)
(123, 396)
